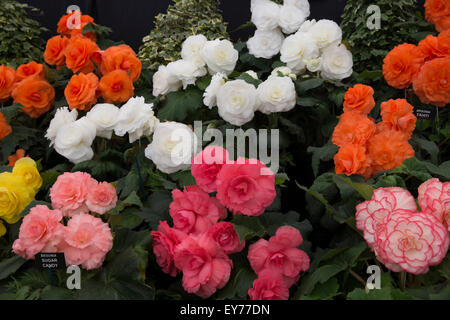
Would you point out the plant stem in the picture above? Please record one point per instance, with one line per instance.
(403, 280)
(357, 277)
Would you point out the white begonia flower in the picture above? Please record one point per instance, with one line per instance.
(252, 74)
(303, 5)
(298, 48)
(220, 56)
(265, 44)
(284, 71)
(253, 3)
(237, 102)
(266, 15)
(210, 94)
(326, 33)
(62, 117)
(172, 147)
(136, 118)
(164, 82)
(73, 140)
(314, 65)
(104, 116)
(307, 25)
(186, 71)
(191, 49)
(337, 63)
(291, 18)
(276, 94)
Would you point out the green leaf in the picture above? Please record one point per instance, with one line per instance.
(157, 208)
(244, 281)
(273, 220)
(415, 168)
(363, 189)
(9, 266)
(325, 153)
(184, 178)
(443, 170)
(324, 273)
(131, 200)
(305, 85)
(442, 295)
(11, 111)
(280, 178)
(376, 294)
(369, 75)
(203, 82)
(307, 101)
(124, 266)
(430, 147)
(130, 183)
(178, 105)
(249, 79)
(56, 293)
(323, 291)
(247, 227)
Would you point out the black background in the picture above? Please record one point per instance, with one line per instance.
(131, 20)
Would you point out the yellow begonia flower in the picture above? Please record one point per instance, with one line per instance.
(14, 197)
(2, 229)
(26, 169)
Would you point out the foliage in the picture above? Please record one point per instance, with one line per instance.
(400, 22)
(19, 33)
(183, 18)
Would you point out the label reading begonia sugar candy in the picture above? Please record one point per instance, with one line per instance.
(425, 113)
(50, 261)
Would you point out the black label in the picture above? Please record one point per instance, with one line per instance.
(425, 113)
(50, 261)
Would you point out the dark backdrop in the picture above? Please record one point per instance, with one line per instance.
(131, 20)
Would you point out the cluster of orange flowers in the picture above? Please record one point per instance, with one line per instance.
(118, 67)
(425, 66)
(437, 12)
(27, 86)
(366, 147)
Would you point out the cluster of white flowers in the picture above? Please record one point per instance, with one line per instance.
(315, 46)
(271, 21)
(238, 100)
(198, 57)
(73, 138)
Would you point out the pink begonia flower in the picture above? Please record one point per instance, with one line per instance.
(69, 192)
(246, 187)
(193, 210)
(206, 166)
(280, 254)
(371, 214)
(269, 286)
(165, 241)
(101, 198)
(434, 198)
(411, 241)
(88, 240)
(40, 231)
(226, 236)
(205, 266)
